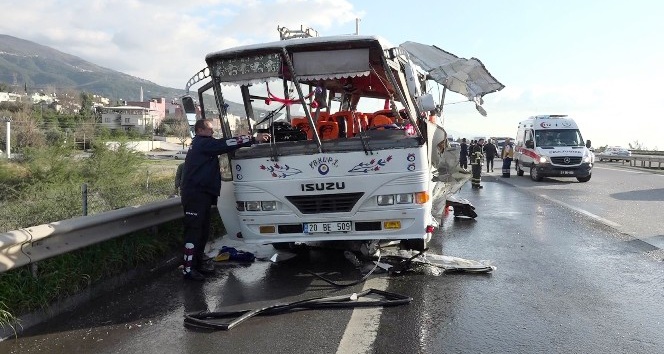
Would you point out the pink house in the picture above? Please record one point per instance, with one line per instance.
(156, 107)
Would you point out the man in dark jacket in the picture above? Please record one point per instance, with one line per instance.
(463, 154)
(490, 153)
(201, 183)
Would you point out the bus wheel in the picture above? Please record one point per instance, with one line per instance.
(284, 246)
(416, 244)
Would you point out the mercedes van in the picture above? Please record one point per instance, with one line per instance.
(552, 146)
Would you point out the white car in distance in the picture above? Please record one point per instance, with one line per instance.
(180, 155)
(616, 153)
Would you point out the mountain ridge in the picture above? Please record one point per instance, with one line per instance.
(36, 66)
(28, 64)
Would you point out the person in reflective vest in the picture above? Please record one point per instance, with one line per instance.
(476, 159)
(507, 155)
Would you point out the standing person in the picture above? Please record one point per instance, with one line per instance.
(463, 155)
(200, 187)
(476, 160)
(178, 179)
(490, 152)
(507, 155)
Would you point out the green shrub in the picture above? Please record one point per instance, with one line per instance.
(46, 187)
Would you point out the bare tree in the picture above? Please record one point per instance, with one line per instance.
(25, 129)
(70, 100)
(181, 131)
(636, 145)
(84, 132)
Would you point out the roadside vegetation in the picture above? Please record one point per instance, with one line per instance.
(44, 184)
(45, 187)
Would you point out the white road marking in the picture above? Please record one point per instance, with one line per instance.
(362, 329)
(582, 211)
(618, 169)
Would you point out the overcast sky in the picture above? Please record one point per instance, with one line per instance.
(598, 61)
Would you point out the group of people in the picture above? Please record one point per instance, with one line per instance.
(477, 151)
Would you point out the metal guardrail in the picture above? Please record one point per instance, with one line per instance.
(636, 160)
(36, 243)
(643, 159)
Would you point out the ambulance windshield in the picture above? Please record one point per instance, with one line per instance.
(558, 137)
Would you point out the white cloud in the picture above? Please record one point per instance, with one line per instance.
(608, 82)
(163, 41)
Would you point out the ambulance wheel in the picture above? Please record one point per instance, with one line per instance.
(534, 175)
(519, 171)
(584, 179)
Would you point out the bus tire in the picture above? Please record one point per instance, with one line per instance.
(415, 244)
(283, 246)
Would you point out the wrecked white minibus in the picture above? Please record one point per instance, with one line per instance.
(356, 139)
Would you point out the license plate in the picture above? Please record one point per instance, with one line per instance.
(566, 172)
(336, 226)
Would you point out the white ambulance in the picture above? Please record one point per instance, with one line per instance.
(552, 146)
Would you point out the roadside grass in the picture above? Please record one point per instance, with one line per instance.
(7, 319)
(27, 288)
(46, 187)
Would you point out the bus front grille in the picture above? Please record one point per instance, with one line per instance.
(325, 203)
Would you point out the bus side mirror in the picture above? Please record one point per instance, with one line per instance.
(530, 144)
(189, 108)
(188, 104)
(588, 145)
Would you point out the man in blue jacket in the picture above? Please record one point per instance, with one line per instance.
(200, 187)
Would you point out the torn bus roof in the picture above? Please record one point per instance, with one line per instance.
(467, 77)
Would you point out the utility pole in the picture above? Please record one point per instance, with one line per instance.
(8, 120)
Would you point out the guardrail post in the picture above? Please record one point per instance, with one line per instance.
(84, 197)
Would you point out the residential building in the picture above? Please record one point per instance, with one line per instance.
(10, 97)
(137, 118)
(156, 107)
(40, 97)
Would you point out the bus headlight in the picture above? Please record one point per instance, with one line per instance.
(402, 198)
(544, 159)
(405, 198)
(253, 206)
(269, 205)
(385, 199)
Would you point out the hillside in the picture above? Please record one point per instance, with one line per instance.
(25, 63)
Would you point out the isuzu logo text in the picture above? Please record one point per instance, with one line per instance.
(327, 186)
